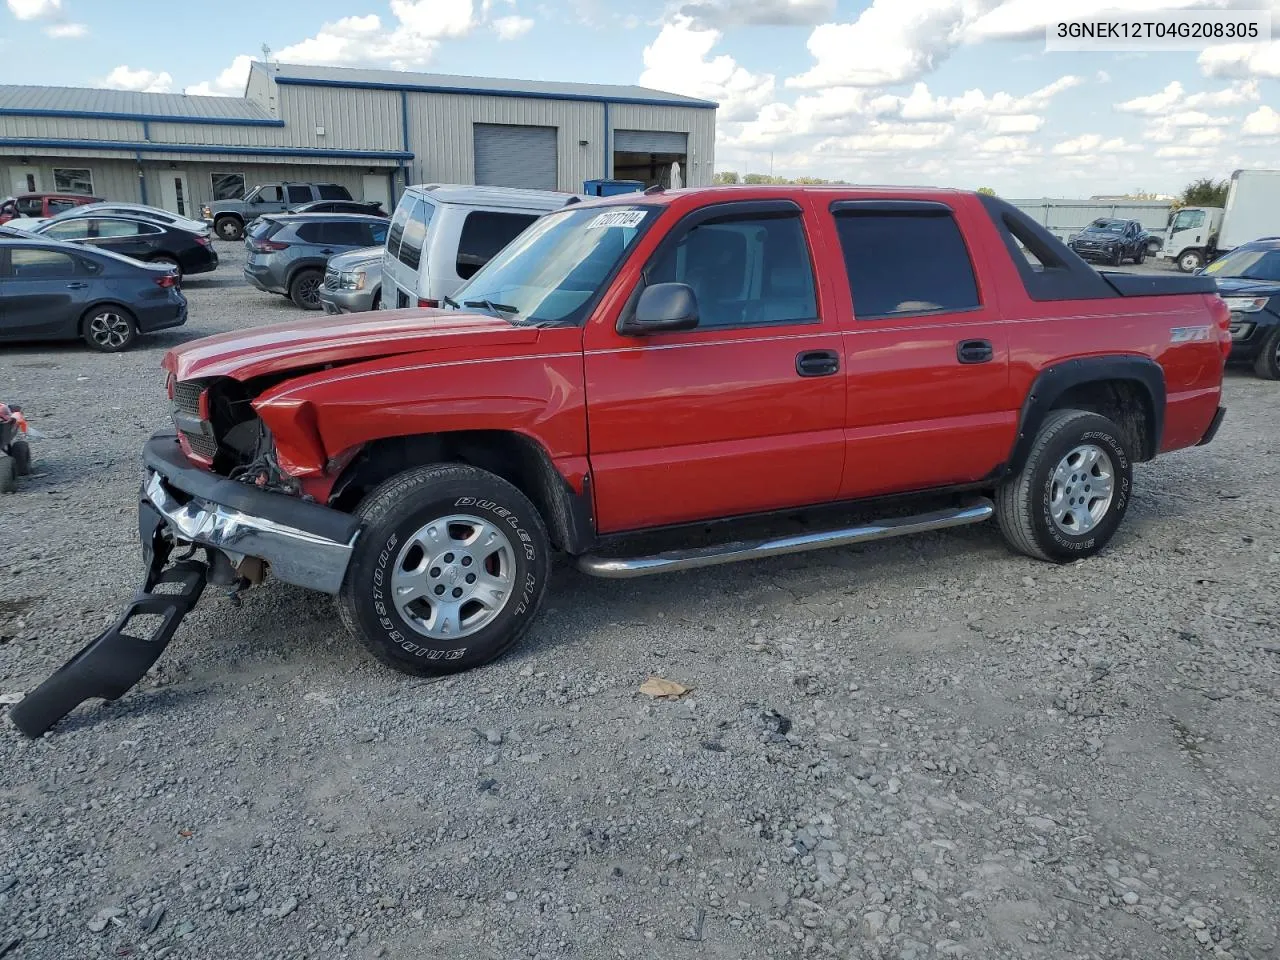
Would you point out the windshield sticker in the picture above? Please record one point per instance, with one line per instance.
(617, 218)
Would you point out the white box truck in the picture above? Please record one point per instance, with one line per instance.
(1200, 234)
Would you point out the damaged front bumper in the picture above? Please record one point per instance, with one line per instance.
(182, 505)
(306, 544)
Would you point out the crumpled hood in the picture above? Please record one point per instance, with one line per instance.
(348, 338)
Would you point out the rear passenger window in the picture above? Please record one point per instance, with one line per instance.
(415, 234)
(331, 191)
(483, 235)
(902, 263)
(346, 233)
(33, 263)
(743, 271)
(312, 233)
(299, 194)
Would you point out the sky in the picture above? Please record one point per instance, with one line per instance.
(947, 92)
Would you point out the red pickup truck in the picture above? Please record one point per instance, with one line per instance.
(932, 357)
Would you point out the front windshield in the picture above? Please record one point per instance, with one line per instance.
(552, 271)
(1255, 264)
(1105, 226)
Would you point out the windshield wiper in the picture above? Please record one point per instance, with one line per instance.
(497, 309)
(450, 302)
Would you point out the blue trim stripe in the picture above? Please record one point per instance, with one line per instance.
(518, 94)
(144, 117)
(153, 147)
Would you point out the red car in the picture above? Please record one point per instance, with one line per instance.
(651, 361)
(40, 205)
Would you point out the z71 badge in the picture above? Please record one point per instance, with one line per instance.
(1188, 334)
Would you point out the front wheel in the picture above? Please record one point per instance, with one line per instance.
(1140, 256)
(109, 329)
(1189, 261)
(448, 572)
(1071, 494)
(228, 228)
(1267, 366)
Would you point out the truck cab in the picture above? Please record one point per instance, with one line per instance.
(1192, 235)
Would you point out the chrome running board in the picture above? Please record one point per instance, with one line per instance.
(624, 568)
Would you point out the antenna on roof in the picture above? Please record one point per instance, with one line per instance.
(656, 188)
(266, 55)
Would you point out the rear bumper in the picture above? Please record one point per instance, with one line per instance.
(303, 543)
(158, 318)
(264, 278)
(1214, 424)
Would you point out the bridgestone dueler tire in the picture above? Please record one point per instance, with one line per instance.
(399, 508)
(1022, 502)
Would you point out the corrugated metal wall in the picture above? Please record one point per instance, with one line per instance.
(699, 124)
(442, 138)
(1065, 217)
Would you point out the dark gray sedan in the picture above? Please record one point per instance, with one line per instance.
(55, 291)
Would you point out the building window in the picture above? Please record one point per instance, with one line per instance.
(227, 186)
(73, 180)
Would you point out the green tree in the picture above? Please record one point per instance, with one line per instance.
(727, 176)
(1205, 192)
(987, 190)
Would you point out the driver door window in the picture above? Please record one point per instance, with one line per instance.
(743, 272)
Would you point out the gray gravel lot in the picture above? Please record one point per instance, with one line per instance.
(921, 748)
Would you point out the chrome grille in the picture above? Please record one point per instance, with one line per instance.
(331, 279)
(186, 396)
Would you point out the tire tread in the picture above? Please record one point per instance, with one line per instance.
(1013, 497)
(384, 499)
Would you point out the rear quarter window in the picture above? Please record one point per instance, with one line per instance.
(484, 233)
(905, 263)
(331, 191)
(415, 234)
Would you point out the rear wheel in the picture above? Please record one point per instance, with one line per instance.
(1267, 365)
(449, 571)
(304, 289)
(168, 261)
(109, 329)
(1189, 261)
(228, 228)
(1070, 496)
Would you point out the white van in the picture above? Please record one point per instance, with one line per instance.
(442, 234)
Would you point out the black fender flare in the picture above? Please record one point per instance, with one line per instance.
(1053, 381)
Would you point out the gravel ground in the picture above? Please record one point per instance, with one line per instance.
(921, 748)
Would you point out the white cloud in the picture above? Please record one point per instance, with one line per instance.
(774, 13)
(146, 81)
(231, 82)
(1205, 137)
(1263, 122)
(419, 27)
(508, 28)
(887, 138)
(677, 62)
(1183, 151)
(35, 9)
(891, 41)
(1175, 95)
(1091, 143)
(1015, 123)
(1003, 145)
(66, 31)
(1103, 77)
(1241, 60)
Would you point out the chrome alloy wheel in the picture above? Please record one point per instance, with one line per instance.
(1082, 488)
(110, 329)
(453, 577)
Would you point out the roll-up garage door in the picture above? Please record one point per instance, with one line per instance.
(649, 141)
(516, 156)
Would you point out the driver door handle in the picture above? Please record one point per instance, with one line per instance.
(975, 351)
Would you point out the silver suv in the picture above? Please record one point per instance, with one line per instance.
(228, 217)
(286, 254)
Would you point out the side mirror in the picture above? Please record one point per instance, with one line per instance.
(662, 308)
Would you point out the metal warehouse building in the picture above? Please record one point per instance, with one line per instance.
(374, 131)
